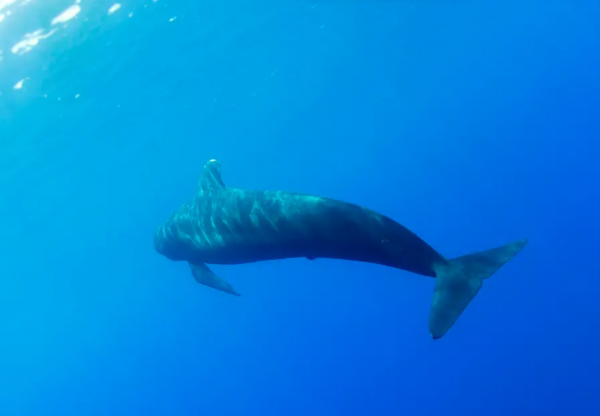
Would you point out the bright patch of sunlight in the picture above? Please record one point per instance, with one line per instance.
(19, 84)
(114, 8)
(67, 15)
(30, 40)
(6, 3)
(15, 9)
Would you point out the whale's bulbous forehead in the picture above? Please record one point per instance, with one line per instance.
(167, 243)
(160, 239)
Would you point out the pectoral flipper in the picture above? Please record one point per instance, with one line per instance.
(205, 276)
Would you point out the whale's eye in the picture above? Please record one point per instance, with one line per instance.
(385, 241)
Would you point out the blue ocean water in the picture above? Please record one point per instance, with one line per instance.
(472, 123)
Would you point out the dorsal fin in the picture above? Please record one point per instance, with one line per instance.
(210, 179)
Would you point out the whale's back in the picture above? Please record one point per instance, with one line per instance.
(241, 226)
(224, 225)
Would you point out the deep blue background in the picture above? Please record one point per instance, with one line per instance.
(472, 123)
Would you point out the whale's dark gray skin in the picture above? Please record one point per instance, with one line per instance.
(223, 225)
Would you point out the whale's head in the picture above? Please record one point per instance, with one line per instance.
(161, 240)
(167, 242)
(177, 238)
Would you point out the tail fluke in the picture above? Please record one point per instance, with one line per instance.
(458, 281)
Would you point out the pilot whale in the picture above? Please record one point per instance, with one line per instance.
(224, 225)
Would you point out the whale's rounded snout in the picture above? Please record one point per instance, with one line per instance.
(159, 240)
